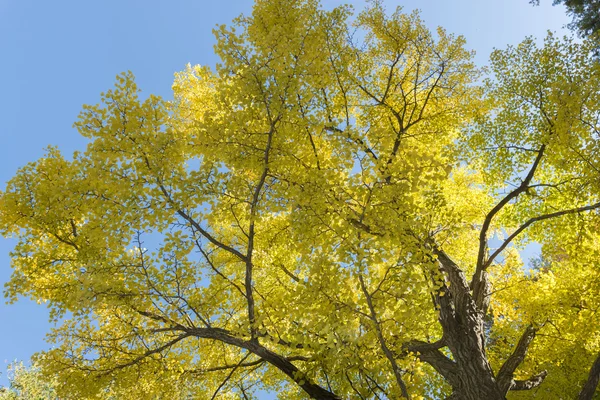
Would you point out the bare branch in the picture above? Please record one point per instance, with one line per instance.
(150, 352)
(197, 226)
(217, 271)
(358, 141)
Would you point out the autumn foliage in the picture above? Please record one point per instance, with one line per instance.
(336, 211)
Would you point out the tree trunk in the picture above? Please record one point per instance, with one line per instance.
(587, 393)
(475, 387)
(474, 378)
(469, 372)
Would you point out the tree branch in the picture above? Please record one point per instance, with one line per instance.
(477, 283)
(382, 341)
(536, 219)
(530, 383)
(430, 354)
(278, 361)
(233, 369)
(252, 232)
(227, 366)
(458, 281)
(507, 371)
(418, 346)
(211, 238)
(150, 352)
(358, 141)
(197, 226)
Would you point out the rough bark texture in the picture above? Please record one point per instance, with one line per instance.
(469, 372)
(462, 322)
(587, 393)
(506, 373)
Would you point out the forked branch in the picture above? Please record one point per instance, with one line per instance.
(507, 371)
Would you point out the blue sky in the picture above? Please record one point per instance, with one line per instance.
(57, 55)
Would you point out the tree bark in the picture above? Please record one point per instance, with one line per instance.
(587, 393)
(469, 372)
(462, 323)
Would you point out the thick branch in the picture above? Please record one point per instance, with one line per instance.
(458, 281)
(536, 219)
(481, 262)
(283, 364)
(530, 383)
(479, 282)
(507, 371)
(418, 346)
(430, 353)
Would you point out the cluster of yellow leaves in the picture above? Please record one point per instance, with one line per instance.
(286, 198)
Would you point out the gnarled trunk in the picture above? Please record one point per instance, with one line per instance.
(468, 370)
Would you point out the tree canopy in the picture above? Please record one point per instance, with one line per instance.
(27, 384)
(585, 13)
(336, 211)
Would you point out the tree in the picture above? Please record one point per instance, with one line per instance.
(585, 13)
(335, 212)
(27, 384)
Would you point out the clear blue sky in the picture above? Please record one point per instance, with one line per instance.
(57, 55)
